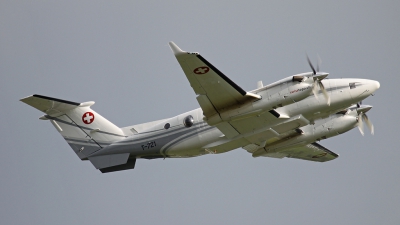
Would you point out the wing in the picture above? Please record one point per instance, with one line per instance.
(215, 91)
(312, 152)
(212, 86)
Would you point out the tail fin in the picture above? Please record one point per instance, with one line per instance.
(85, 130)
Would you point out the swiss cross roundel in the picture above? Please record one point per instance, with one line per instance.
(201, 70)
(88, 117)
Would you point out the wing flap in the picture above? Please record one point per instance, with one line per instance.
(206, 106)
(227, 129)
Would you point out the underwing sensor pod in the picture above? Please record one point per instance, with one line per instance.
(283, 119)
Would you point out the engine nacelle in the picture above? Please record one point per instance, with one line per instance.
(286, 92)
(278, 94)
(325, 128)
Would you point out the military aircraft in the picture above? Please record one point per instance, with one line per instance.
(282, 119)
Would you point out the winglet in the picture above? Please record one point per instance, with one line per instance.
(175, 48)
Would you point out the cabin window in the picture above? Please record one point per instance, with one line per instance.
(188, 121)
(166, 126)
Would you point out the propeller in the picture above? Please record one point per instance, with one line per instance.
(317, 81)
(362, 117)
(311, 65)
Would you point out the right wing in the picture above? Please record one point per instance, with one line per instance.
(312, 152)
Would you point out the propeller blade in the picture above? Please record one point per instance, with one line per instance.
(319, 62)
(324, 92)
(369, 123)
(315, 89)
(360, 124)
(318, 80)
(312, 67)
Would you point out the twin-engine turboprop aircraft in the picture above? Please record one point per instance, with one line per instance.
(282, 119)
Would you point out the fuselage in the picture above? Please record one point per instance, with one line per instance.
(174, 138)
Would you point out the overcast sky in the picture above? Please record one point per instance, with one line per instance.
(116, 53)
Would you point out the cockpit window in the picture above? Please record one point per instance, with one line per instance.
(352, 85)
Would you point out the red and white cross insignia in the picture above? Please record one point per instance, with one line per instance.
(88, 117)
(201, 70)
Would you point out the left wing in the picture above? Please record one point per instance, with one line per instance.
(216, 92)
(207, 80)
(312, 152)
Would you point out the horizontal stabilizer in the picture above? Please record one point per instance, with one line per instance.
(52, 106)
(105, 161)
(127, 166)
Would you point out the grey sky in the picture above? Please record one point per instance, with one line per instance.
(117, 54)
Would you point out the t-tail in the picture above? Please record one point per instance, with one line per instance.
(85, 130)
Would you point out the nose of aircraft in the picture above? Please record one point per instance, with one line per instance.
(373, 85)
(377, 85)
(367, 88)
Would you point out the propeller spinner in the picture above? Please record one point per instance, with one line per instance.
(362, 117)
(318, 77)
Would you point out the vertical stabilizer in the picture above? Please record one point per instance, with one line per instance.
(85, 130)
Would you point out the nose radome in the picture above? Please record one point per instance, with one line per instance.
(374, 85)
(377, 84)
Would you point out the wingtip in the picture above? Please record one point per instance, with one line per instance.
(25, 98)
(175, 49)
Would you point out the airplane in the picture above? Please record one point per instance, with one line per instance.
(283, 119)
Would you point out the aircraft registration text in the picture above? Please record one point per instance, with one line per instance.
(149, 145)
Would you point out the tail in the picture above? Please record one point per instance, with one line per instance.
(85, 130)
